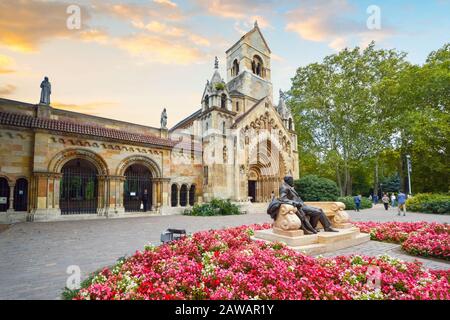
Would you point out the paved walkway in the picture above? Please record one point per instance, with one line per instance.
(34, 256)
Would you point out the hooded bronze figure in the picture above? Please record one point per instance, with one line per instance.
(309, 216)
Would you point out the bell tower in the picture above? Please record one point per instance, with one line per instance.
(249, 70)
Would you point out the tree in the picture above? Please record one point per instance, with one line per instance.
(422, 122)
(342, 106)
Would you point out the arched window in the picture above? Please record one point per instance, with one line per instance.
(223, 101)
(257, 66)
(223, 128)
(183, 195)
(290, 124)
(174, 195)
(237, 106)
(192, 195)
(235, 68)
(207, 101)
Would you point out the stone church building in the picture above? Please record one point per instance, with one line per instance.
(57, 164)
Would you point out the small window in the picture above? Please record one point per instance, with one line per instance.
(223, 101)
(235, 68)
(237, 106)
(290, 123)
(223, 128)
(207, 101)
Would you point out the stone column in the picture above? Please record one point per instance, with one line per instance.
(102, 196)
(179, 196)
(154, 195)
(45, 189)
(11, 197)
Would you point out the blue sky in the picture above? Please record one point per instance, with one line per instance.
(130, 59)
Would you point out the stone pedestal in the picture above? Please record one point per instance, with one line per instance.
(315, 244)
(322, 242)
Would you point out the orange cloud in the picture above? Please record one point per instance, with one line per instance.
(162, 9)
(6, 64)
(158, 49)
(92, 108)
(245, 12)
(328, 21)
(25, 24)
(7, 89)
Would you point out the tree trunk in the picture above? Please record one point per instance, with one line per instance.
(375, 182)
(339, 181)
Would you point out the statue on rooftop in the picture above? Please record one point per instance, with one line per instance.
(46, 90)
(164, 119)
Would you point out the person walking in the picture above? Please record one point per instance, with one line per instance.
(385, 201)
(145, 200)
(401, 203)
(392, 200)
(357, 200)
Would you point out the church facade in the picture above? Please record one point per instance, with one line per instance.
(57, 164)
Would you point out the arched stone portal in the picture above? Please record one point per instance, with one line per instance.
(145, 173)
(138, 179)
(266, 170)
(79, 187)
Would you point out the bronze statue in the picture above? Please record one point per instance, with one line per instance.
(288, 195)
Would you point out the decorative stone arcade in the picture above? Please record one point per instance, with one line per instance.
(91, 189)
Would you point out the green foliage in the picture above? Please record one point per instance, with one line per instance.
(429, 203)
(220, 86)
(217, 207)
(314, 188)
(391, 184)
(362, 109)
(70, 294)
(350, 203)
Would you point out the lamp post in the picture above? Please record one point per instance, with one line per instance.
(408, 167)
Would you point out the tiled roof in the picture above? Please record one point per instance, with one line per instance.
(21, 120)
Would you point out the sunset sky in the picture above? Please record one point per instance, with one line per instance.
(130, 59)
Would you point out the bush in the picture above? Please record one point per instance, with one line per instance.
(314, 188)
(429, 203)
(217, 207)
(350, 203)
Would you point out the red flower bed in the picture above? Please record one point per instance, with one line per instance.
(417, 238)
(227, 264)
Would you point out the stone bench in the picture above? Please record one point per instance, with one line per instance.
(335, 212)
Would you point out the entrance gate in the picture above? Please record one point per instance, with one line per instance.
(138, 178)
(79, 188)
(21, 195)
(4, 195)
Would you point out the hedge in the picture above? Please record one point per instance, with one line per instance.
(429, 203)
(217, 207)
(314, 188)
(350, 203)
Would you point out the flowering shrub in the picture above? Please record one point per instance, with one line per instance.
(417, 238)
(227, 264)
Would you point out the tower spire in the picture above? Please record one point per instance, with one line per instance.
(216, 63)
